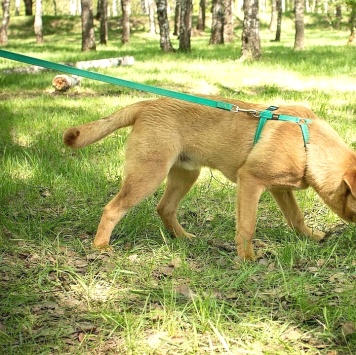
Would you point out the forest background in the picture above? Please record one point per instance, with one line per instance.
(222, 22)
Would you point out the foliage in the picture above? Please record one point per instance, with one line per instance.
(151, 294)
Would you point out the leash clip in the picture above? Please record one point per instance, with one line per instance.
(237, 109)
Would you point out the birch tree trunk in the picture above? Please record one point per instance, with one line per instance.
(279, 20)
(165, 42)
(17, 7)
(73, 7)
(126, 12)
(201, 15)
(273, 21)
(64, 82)
(228, 22)
(177, 16)
(217, 26)
(103, 21)
(88, 36)
(5, 22)
(251, 43)
(38, 22)
(151, 16)
(114, 8)
(185, 28)
(299, 25)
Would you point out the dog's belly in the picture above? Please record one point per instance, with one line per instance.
(190, 162)
(187, 162)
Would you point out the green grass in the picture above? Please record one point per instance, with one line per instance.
(152, 294)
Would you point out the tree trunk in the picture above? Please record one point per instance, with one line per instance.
(165, 42)
(185, 28)
(228, 22)
(251, 43)
(98, 10)
(177, 17)
(28, 7)
(54, 7)
(299, 25)
(151, 16)
(217, 26)
(239, 7)
(103, 21)
(17, 7)
(279, 20)
(126, 11)
(274, 14)
(72, 7)
(114, 8)
(338, 16)
(352, 38)
(201, 15)
(5, 22)
(38, 22)
(88, 36)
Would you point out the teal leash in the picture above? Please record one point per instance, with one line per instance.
(263, 116)
(120, 82)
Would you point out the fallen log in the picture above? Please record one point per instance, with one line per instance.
(105, 63)
(98, 63)
(64, 82)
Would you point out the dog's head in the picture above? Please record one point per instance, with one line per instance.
(349, 212)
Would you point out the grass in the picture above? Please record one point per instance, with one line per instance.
(152, 294)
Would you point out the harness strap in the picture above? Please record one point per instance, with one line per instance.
(268, 114)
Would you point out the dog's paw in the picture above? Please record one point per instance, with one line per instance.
(318, 235)
(246, 255)
(102, 247)
(183, 234)
(188, 235)
(243, 259)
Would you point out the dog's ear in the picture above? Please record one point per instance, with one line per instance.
(350, 180)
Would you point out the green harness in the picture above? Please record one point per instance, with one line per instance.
(263, 116)
(268, 114)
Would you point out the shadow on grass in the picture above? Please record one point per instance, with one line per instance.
(43, 181)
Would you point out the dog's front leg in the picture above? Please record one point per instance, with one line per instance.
(249, 191)
(293, 215)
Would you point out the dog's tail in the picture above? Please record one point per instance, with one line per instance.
(81, 136)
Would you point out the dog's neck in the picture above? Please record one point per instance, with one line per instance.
(328, 160)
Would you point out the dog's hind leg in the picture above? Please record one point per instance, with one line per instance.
(179, 182)
(293, 215)
(139, 182)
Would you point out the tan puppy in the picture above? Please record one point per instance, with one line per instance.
(173, 139)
